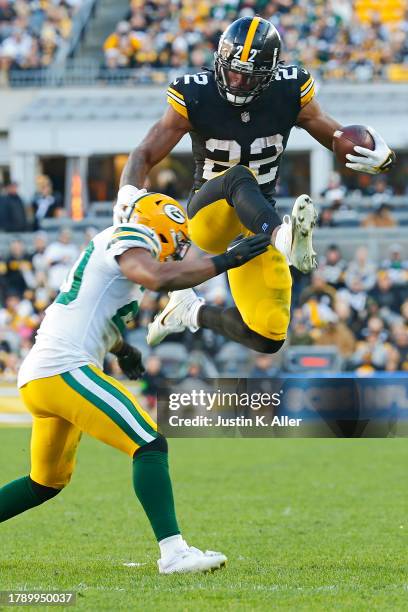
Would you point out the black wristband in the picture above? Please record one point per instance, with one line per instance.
(221, 263)
(124, 350)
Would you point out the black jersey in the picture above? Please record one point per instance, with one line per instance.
(254, 135)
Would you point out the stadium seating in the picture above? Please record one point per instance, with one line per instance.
(351, 42)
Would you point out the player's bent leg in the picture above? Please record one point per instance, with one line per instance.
(230, 204)
(21, 495)
(53, 448)
(261, 290)
(229, 323)
(212, 221)
(242, 191)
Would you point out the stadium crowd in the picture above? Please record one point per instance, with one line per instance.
(359, 306)
(337, 39)
(31, 31)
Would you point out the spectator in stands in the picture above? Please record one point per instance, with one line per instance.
(18, 274)
(125, 45)
(17, 320)
(326, 218)
(354, 296)
(331, 39)
(380, 217)
(370, 354)
(166, 181)
(386, 295)
(399, 336)
(46, 203)
(362, 268)
(264, 366)
(15, 49)
(382, 191)
(318, 292)
(335, 191)
(299, 330)
(60, 256)
(153, 380)
(335, 333)
(38, 258)
(396, 266)
(31, 32)
(333, 266)
(12, 210)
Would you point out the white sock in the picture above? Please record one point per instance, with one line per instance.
(169, 546)
(192, 315)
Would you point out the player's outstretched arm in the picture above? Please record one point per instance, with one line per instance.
(139, 266)
(158, 142)
(322, 128)
(319, 125)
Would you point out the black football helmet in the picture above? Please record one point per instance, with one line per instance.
(247, 59)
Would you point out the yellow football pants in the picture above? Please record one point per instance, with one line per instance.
(261, 288)
(83, 400)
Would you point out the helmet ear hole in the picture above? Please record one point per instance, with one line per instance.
(163, 238)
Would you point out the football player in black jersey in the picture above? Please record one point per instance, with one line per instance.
(239, 117)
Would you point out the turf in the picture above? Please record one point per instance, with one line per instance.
(306, 524)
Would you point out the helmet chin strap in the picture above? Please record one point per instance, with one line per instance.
(238, 100)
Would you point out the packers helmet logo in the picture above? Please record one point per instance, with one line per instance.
(174, 213)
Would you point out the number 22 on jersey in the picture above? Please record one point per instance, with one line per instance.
(229, 154)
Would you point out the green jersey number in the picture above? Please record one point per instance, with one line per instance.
(71, 286)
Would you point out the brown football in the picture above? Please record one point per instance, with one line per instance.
(346, 138)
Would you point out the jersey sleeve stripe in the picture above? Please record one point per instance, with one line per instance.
(175, 98)
(305, 85)
(249, 39)
(177, 107)
(305, 91)
(147, 242)
(305, 99)
(138, 230)
(175, 93)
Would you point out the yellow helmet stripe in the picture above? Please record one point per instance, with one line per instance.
(249, 39)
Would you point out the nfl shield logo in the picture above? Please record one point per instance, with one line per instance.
(245, 117)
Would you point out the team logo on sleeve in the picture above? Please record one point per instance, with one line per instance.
(174, 213)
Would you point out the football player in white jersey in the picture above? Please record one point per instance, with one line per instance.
(62, 383)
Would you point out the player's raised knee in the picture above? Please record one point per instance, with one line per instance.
(239, 172)
(42, 492)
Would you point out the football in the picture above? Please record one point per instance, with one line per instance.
(347, 138)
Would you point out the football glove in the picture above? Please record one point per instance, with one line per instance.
(376, 161)
(126, 197)
(241, 251)
(130, 361)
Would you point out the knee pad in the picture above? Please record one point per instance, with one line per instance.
(42, 492)
(159, 444)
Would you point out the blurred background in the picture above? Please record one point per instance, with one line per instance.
(81, 81)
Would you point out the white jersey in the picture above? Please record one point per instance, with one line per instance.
(94, 306)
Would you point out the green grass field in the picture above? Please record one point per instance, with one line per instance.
(306, 524)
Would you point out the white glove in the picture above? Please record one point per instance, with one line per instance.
(373, 162)
(126, 197)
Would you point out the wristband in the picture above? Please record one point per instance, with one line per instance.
(221, 263)
(124, 350)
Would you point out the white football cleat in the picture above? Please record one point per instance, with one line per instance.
(180, 312)
(294, 237)
(191, 559)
